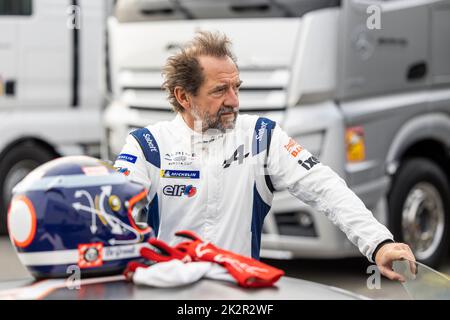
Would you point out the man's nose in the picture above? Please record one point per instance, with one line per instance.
(232, 98)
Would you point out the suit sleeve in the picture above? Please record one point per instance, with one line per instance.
(294, 168)
(131, 162)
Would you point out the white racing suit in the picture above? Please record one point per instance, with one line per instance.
(221, 185)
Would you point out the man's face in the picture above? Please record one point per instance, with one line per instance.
(216, 104)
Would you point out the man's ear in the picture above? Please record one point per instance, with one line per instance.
(182, 97)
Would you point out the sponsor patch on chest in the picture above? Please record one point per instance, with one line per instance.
(180, 190)
(180, 158)
(180, 174)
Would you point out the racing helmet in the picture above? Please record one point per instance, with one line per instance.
(78, 211)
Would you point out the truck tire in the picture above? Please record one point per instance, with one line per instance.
(419, 209)
(14, 166)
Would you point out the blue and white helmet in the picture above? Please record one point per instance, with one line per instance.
(78, 211)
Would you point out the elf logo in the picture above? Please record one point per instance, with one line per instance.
(180, 190)
(309, 163)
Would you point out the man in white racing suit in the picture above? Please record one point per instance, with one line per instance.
(213, 171)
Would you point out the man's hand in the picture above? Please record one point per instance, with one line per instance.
(391, 252)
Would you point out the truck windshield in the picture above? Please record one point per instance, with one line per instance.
(158, 10)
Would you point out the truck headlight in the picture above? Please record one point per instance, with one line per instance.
(355, 144)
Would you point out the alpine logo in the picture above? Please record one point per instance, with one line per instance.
(150, 143)
(239, 155)
(309, 163)
(180, 190)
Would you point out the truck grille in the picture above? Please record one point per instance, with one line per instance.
(262, 89)
(296, 223)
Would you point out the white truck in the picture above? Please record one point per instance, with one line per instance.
(370, 98)
(52, 74)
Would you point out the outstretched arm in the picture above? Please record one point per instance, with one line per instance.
(294, 168)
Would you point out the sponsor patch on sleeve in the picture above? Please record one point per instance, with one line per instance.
(293, 147)
(125, 171)
(309, 163)
(127, 157)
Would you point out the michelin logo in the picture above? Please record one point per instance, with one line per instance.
(127, 157)
(182, 174)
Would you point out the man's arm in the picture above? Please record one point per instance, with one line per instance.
(296, 169)
(131, 162)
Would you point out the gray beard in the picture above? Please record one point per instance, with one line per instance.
(210, 123)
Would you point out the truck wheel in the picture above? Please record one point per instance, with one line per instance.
(14, 166)
(419, 209)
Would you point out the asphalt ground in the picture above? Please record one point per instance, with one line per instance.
(349, 274)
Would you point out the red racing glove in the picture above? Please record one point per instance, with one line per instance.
(248, 272)
(161, 252)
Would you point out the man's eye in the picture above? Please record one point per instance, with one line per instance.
(219, 91)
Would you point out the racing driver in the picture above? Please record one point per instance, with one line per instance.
(214, 171)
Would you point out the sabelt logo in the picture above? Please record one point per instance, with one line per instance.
(261, 131)
(150, 143)
(180, 190)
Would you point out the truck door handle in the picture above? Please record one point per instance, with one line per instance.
(239, 8)
(156, 12)
(417, 71)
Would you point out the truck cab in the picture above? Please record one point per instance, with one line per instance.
(371, 103)
(51, 85)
